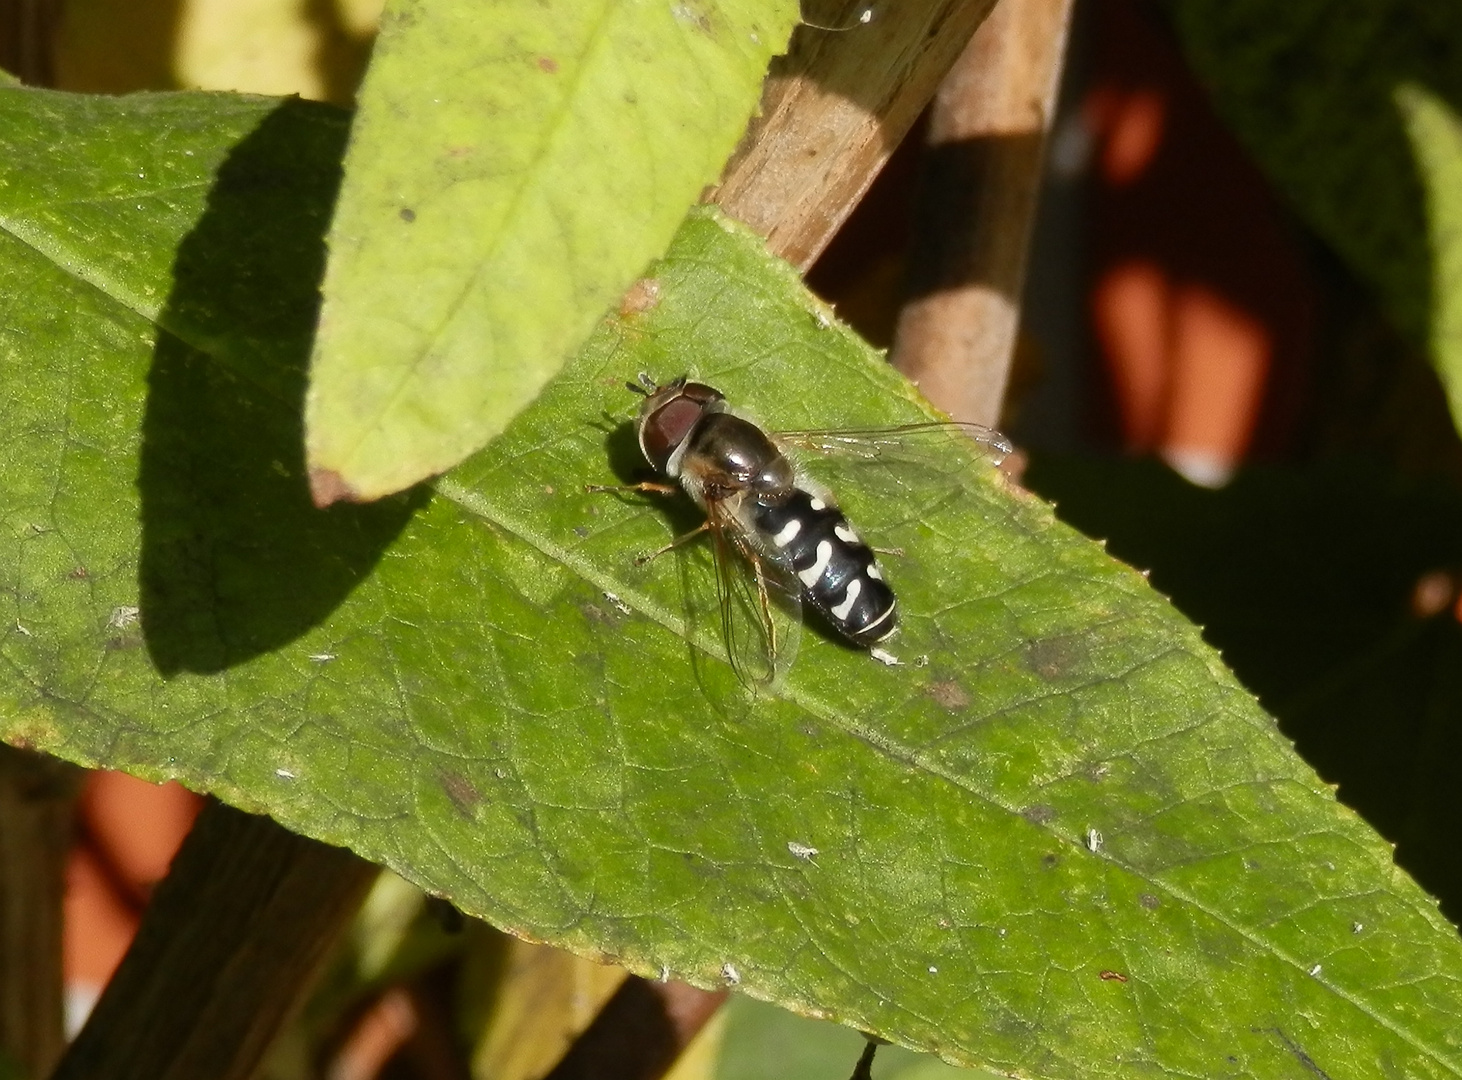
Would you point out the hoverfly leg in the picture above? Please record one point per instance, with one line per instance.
(683, 538)
(897, 552)
(646, 487)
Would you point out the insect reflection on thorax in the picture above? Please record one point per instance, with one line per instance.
(779, 541)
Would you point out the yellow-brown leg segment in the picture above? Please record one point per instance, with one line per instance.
(648, 487)
(684, 538)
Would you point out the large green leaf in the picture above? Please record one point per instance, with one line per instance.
(476, 687)
(511, 171)
(1310, 86)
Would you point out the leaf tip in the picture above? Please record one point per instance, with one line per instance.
(328, 487)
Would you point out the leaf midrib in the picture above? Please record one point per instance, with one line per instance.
(80, 269)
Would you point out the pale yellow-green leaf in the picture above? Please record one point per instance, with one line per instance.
(511, 170)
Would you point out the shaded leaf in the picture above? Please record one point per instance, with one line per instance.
(511, 171)
(1309, 87)
(763, 1041)
(536, 1001)
(1436, 140)
(477, 687)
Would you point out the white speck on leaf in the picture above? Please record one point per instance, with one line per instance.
(22, 629)
(1093, 841)
(886, 658)
(122, 617)
(730, 974)
(619, 605)
(1315, 970)
(801, 851)
(284, 774)
(321, 657)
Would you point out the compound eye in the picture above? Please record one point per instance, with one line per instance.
(700, 392)
(666, 427)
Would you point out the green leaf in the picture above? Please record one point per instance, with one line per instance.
(1309, 87)
(511, 172)
(476, 687)
(1436, 140)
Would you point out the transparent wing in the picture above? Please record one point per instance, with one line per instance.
(759, 602)
(900, 440)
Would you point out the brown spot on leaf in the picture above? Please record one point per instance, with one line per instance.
(1052, 658)
(1038, 814)
(328, 487)
(642, 296)
(949, 695)
(596, 614)
(79, 573)
(1149, 902)
(407, 214)
(1113, 976)
(1049, 861)
(463, 793)
(548, 64)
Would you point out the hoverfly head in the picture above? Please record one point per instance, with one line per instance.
(668, 416)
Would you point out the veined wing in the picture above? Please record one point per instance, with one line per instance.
(759, 602)
(880, 442)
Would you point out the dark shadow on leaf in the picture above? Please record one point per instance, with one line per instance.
(236, 561)
(622, 451)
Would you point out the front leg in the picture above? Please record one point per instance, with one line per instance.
(681, 539)
(651, 487)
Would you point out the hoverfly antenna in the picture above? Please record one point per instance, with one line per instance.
(864, 18)
(644, 385)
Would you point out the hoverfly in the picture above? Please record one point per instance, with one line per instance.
(778, 538)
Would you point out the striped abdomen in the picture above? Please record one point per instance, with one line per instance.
(837, 571)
